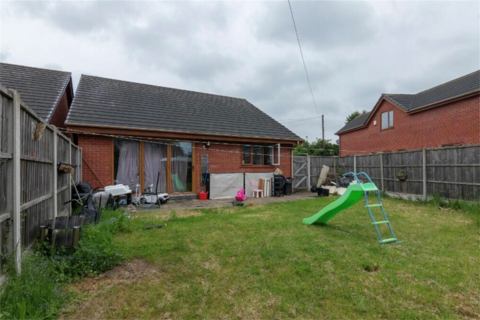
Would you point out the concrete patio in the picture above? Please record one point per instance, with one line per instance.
(197, 204)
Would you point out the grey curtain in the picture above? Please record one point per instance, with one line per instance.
(155, 157)
(128, 163)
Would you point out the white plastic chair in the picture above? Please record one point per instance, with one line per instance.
(256, 193)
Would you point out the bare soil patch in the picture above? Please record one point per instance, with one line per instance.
(94, 288)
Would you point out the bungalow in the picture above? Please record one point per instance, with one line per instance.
(47, 92)
(139, 134)
(444, 115)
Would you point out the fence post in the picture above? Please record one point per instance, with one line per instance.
(291, 169)
(308, 172)
(55, 173)
(355, 163)
(70, 175)
(80, 163)
(424, 171)
(335, 164)
(381, 172)
(16, 214)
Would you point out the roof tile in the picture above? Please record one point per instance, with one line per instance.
(40, 89)
(116, 103)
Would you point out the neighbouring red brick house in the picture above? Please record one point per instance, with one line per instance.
(445, 115)
(47, 92)
(132, 133)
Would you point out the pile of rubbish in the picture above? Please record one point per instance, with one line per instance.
(330, 184)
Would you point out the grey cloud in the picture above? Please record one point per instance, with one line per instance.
(320, 24)
(354, 50)
(183, 41)
(53, 66)
(4, 56)
(81, 16)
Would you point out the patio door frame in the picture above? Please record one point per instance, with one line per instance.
(169, 166)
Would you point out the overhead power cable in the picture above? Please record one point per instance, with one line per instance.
(304, 119)
(303, 59)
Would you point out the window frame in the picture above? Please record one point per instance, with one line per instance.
(271, 151)
(389, 120)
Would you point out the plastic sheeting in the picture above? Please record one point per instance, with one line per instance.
(225, 185)
(256, 176)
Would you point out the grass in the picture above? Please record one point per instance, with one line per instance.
(41, 290)
(261, 262)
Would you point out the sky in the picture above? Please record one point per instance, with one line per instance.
(354, 50)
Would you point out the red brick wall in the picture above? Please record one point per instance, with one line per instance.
(97, 164)
(97, 160)
(228, 159)
(456, 123)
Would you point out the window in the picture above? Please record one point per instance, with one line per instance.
(181, 167)
(247, 155)
(387, 119)
(260, 155)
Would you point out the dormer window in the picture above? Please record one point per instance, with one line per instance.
(387, 119)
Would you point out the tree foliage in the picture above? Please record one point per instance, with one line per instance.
(354, 115)
(316, 148)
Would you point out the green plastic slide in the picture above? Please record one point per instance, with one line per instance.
(353, 194)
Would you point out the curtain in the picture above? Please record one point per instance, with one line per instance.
(155, 157)
(181, 167)
(128, 163)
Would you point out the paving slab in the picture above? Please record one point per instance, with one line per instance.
(197, 204)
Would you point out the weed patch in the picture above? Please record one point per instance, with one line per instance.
(40, 290)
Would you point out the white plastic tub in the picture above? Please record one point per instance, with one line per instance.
(118, 189)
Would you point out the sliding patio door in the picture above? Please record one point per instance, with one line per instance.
(150, 166)
(155, 166)
(181, 167)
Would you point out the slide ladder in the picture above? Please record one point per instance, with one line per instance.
(369, 207)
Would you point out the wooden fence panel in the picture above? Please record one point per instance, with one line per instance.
(409, 162)
(3, 244)
(316, 164)
(3, 187)
(31, 220)
(34, 149)
(38, 198)
(346, 164)
(454, 172)
(5, 123)
(370, 164)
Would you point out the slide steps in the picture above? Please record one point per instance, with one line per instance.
(353, 194)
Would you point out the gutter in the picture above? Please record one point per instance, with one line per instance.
(212, 136)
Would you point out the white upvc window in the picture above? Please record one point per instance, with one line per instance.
(387, 119)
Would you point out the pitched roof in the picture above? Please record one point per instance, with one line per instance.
(40, 89)
(121, 104)
(411, 102)
(402, 100)
(451, 89)
(357, 122)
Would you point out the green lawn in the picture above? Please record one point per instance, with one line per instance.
(261, 262)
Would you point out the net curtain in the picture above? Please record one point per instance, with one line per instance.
(128, 163)
(155, 155)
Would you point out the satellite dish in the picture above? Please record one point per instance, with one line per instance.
(338, 141)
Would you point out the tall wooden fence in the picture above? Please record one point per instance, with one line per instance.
(454, 172)
(31, 188)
